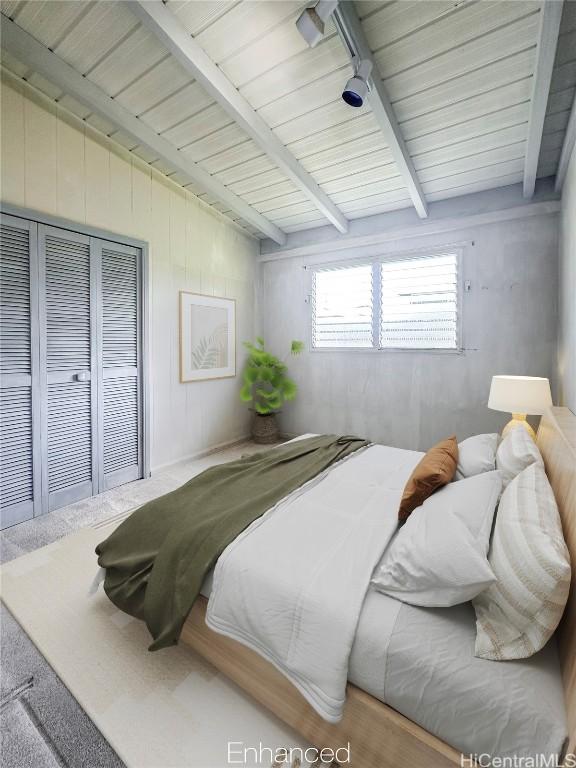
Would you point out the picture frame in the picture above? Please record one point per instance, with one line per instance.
(207, 337)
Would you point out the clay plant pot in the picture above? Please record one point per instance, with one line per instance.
(265, 429)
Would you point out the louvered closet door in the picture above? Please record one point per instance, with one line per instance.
(68, 362)
(120, 374)
(19, 457)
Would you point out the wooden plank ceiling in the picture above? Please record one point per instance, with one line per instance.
(458, 73)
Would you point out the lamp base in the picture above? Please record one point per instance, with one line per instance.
(519, 420)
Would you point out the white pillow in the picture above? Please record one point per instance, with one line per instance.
(438, 557)
(476, 454)
(516, 452)
(517, 615)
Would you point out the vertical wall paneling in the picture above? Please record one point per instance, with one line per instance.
(40, 155)
(19, 467)
(120, 192)
(12, 119)
(71, 182)
(97, 164)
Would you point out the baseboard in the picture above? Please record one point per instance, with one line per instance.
(203, 452)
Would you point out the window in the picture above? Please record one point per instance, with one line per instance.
(408, 302)
(342, 307)
(419, 302)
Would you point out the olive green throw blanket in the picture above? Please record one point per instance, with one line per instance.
(157, 559)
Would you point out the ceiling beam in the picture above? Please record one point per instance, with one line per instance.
(550, 15)
(353, 37)
(567, 149)
(172, 33)
(325, 250)
(42, 60)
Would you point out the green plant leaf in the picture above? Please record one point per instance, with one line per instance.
(266, 373)
(246, 393)
(267, 395)
(262, 409)
(250, 374)
(260, 341)
(289, 389)
(296, 347)
(275, 401)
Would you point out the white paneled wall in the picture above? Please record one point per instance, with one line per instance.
(56, 164)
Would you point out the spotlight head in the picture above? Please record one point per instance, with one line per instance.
(355, 91)
(310, 26)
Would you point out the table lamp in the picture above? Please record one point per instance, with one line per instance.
(520, 396)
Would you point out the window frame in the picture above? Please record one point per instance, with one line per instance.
(376, 262)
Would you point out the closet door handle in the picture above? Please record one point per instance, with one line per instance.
(82, 376)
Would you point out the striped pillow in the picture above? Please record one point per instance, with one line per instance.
(517, 615)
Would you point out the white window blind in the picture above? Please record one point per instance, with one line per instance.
(419, 302)
(403, 303)
(342, 307)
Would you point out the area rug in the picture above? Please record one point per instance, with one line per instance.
(168, 709)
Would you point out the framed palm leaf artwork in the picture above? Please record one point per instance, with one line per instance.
(207, 337)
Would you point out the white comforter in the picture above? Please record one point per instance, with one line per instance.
(291, 586)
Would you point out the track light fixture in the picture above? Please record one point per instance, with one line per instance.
(356, 88)
(311, 21)
(311, 25)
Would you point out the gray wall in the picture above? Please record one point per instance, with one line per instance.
(412, 399)
(567, 327)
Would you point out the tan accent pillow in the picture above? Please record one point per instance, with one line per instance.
(518, 614)
(435, 469)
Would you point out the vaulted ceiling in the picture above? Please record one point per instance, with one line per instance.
(459, 75)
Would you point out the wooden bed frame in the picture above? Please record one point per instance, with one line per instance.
(379, 736)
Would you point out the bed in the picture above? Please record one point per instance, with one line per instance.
(378, 733)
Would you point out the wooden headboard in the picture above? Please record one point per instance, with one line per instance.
(557, 443)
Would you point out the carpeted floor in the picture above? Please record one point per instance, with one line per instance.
(42, 725)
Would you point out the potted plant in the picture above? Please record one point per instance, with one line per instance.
(268, 387)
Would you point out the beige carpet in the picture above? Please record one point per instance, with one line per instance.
(158, 710)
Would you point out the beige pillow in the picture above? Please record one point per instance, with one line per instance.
(435, 469)
(517, 615)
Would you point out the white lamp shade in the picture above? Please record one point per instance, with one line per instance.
(520, 394)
